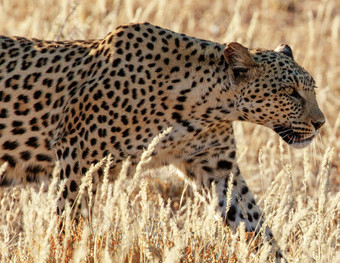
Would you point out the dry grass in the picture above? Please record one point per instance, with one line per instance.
(163, 219)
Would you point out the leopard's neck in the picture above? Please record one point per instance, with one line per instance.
(189, 76)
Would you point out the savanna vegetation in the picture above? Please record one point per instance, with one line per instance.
(157, 217)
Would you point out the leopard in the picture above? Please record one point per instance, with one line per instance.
(79, 101)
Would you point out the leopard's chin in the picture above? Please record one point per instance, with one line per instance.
(292, 138)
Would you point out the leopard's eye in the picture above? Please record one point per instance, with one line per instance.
(292, 92)
(289, 90)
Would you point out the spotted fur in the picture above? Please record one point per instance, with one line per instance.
(78, 101)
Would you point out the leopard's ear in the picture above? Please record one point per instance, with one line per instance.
(238, 57)
(285, 49)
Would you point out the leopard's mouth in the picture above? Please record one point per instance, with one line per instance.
(294, 139)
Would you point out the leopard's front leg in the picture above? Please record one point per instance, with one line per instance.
(216, 166)
(215, 163)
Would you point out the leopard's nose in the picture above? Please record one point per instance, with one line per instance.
(317, 118)
(318, 124)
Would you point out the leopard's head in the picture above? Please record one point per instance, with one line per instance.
(273, 90)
